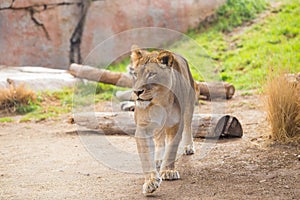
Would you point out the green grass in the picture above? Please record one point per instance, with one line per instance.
(119, 66)
(38, 116)
(245, 59)
(235, 12)
(30, 107)
(50, 105)
(6, 120)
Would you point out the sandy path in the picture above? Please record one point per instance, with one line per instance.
(43, 161)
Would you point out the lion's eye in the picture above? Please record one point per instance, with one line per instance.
(151, 74)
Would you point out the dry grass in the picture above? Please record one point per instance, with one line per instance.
(283, 108)
(15, 99)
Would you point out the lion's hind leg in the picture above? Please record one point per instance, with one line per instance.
(189, 148)
(187, 134)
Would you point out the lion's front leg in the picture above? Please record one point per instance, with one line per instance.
(146, 149)
(173, 136)
(159, 140)
(151, 183)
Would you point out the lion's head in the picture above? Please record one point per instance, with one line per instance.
(151, 73)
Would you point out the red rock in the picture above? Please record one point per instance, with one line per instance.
(24, 40)
(28, 3)
(5, 3)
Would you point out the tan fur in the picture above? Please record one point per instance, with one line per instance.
(164, 95)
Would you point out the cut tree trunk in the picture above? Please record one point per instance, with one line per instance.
(122, 123)
(100, 75)
(213, 90)
(209, 90)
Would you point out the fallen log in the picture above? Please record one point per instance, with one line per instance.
(209, 90)
(122, 123)
(213, 90)
(100, 75)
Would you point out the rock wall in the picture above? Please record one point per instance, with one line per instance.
(39, 32)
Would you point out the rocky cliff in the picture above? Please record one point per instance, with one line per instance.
(53, 33)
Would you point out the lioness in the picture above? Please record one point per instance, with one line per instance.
(164, 96)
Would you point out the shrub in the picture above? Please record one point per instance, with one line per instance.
(17, 99)
(283, 109)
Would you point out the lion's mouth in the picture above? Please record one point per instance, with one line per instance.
(142, 100)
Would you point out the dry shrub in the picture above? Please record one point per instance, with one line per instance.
(283, 109)
(16, 99)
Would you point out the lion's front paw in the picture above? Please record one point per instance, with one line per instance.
(189, 149)
(151, 185)
(170, 175)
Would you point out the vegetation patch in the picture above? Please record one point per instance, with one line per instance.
(244, 56)
(17, 99)
(51, 105)
(32, 106)
(283, 108)
(6, 119)
(234, 13)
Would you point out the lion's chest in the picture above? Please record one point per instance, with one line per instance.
(158, 116)
(173, 119)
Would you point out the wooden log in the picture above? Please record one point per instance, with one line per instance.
(209, 90)
(213, 90)
(100, 75)
(122, 123)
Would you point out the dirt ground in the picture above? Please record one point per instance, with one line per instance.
(47, 160)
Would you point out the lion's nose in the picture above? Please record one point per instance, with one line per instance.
(138, 92)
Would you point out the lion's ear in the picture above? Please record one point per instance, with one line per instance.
(136, 53)
(166, 58)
